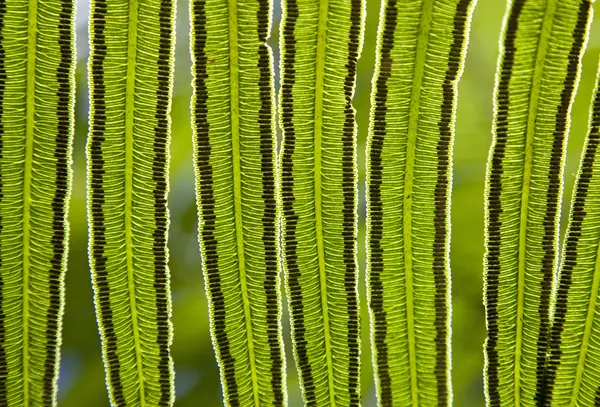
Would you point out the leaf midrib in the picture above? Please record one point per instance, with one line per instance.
(129, 121)
(587, 330)
(411, 145)
(529, 138)
(318, 130)
(27, 174)
(237, 187)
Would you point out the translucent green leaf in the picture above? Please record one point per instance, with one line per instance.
(320, 45)
(572, 375)
(36, 131)
(420, 55)
(537, 76)
(130, 75)
(234, 158)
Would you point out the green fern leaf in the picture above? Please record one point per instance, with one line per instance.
(537, 76)
(572, 376)
(420, 54)
(234, 157)
(36, 130)
(320, 46)
(130, 74)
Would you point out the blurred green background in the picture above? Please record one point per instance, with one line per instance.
(81, 380)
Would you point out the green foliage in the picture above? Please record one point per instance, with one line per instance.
(408, 197)
(130, 76)
(543, 341)
(234, 140)
(572, 373)
(535, 86)
(321, 43)
(36, 129)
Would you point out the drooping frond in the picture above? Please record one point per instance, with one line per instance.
(36, 131)
(130, 75)
(234, 157)
(572, 375)
(420, 54)
(321, 42)
(537, 76)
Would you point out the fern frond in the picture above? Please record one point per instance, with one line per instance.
(572, 375)
(420, 55)
(537, 76)
(234, 158)
(320, 46)
(130, 75)
(36, 131)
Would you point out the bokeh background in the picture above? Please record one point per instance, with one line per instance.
(81, 380)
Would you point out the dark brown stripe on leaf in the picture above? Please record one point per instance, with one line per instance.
(441, 198)
(159, 175)
(547, 374)
(288, 199)
(349, 208)
(3, 366)
(98, 255)
(379, 314)
(55, 275)
(494, 202)
(207, 203)
(597, 401)
(269, 219)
